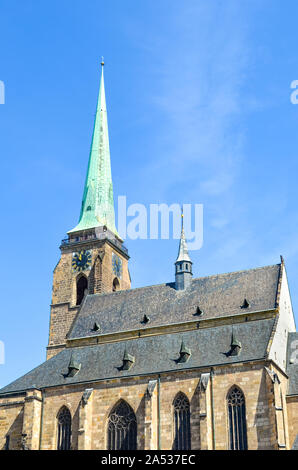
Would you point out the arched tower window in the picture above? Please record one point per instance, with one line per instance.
(116, 284)
(122, 428)
(181, 423)
(237, 419)
(82, 285)
(64, 429)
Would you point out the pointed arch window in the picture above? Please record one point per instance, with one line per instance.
(82, 286)
(64, 429)
(237, 419)
(116, 284)
(182, 439)
(122, 428)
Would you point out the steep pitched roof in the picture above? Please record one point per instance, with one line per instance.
(216, 296)
(153, 354)
(292, 363)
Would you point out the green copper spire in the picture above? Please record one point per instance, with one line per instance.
(98, 200)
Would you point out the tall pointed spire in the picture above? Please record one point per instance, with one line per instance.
(183, 250)
(98, 200)
(183, 263)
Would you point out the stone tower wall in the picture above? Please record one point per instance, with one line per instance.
(100, 280)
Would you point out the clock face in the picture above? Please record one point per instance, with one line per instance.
(117, 265)
(81, 260)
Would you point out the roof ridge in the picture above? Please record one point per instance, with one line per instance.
(173, 283)
(239, 271)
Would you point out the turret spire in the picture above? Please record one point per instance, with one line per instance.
(183, 262)
(183, 250)
(98, 201)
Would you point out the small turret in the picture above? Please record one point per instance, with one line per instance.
(183, 264)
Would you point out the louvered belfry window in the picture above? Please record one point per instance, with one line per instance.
(64, 429)
(182, 440)
(122, 428)
(237, 419)
(82, 285)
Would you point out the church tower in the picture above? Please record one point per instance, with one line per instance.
(93, 258)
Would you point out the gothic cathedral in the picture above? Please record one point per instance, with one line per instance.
(197, 363)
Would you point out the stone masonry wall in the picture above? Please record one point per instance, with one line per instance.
(89, 422)
(252, 381)
(292, 407)
(11, 422)
(100, 280)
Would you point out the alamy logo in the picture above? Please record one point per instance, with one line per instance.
(159, 221)
(2, 92)
(155, 222)
(2, 352)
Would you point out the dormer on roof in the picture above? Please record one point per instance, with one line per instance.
(245, 304)
(128, 361)
(96, 327)
(185, 353)
(235, 346)
(73, 367)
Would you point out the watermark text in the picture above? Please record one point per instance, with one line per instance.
(160, 221)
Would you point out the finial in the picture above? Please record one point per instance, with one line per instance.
(102, 61)
(182, 216)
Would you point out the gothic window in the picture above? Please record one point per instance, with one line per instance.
(122, 428)
(181, 423)
(64, 429)
(116, 285)
(237, 419)
(82, 286)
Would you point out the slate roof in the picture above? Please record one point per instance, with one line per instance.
(292, 363)
(216, 296)
(153, 354)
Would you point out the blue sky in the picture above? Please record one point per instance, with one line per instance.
(199, 109)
